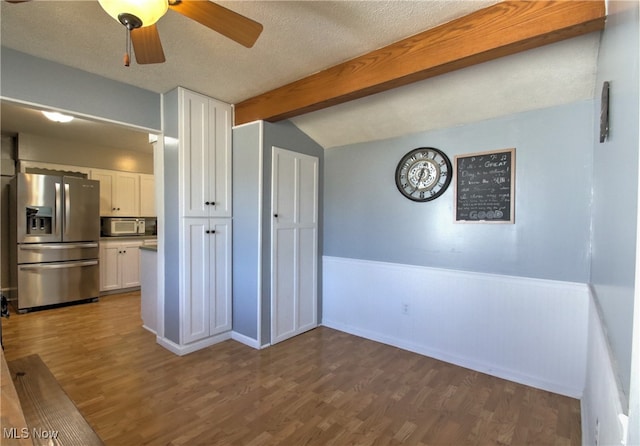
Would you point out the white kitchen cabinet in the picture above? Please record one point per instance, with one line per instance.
(119, 192)
(106, 178)
(147, 195)
(197, 222)
(206, 307)
(205, 155)
(119, 264)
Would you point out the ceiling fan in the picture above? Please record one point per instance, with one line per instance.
(139, 18)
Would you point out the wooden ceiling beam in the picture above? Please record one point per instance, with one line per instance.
(499, 30)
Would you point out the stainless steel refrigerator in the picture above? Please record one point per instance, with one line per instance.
(56, 225)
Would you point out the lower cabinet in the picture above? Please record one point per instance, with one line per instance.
(206, 303)
(119, 264)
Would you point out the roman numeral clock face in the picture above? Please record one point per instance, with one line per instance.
(423, 174)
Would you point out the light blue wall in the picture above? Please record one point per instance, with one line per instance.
(247, 147)
(615, 182)
(171, 219)
(367, 218)
(33, 80)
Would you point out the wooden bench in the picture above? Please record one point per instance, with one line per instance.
(51, 416)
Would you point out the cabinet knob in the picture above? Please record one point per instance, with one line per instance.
(207, 203)
(207, 231)
(275, 215)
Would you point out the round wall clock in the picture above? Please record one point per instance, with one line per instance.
(423, 174)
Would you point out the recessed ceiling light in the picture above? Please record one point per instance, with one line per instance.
(57, 117)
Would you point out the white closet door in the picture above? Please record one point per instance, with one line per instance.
(294, 239)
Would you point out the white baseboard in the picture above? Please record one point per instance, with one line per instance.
(182, 350)
(149, 329)
(530, 331)
(246, 340)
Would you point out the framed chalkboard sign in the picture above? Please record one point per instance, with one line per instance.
(484, 187)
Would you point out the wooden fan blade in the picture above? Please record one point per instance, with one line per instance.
(220, 19)
(146, 45)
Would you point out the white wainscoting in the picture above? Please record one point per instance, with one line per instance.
(525, 330)
(603, 418)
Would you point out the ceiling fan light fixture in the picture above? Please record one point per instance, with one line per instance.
(148, 11)
(57, 116)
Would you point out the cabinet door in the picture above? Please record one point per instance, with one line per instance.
(107, 179)
(196, 293)
(127, 194)
(205, 134)
(130, 264)
(220, 158)
(294, 244)
(194, 148)
(109, 266)
(147, 196)
(220, 280)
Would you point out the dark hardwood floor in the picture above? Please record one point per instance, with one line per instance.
(320, 388)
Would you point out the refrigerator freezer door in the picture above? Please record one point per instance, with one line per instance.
(52, 283)
(81, 210)
(57, 252)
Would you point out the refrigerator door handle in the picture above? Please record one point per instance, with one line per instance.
(58, 216)
(67, 208)
(42, 266)
(40, 246)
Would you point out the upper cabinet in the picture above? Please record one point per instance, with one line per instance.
(119, 192)
(205, 136)
(125, 194)
(147, 195)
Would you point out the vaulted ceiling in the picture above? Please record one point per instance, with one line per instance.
(302, 38)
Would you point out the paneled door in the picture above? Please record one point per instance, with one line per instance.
(294, 239)
(206, 306)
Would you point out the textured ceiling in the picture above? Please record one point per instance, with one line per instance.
(303, 37)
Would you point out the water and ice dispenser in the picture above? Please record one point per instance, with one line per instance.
(39, 220)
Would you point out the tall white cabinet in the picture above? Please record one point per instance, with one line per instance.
(197, 170)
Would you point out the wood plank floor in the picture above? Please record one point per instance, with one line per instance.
(320, 388)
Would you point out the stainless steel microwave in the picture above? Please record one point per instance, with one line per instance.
(119, 226)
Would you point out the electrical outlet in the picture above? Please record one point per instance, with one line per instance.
(405, 308)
